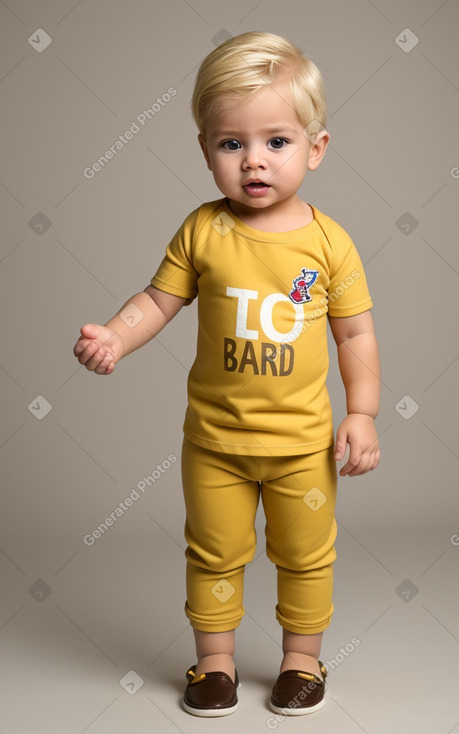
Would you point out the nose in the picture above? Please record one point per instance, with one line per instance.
(254, 158)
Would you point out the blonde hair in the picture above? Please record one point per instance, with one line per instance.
(244, 64)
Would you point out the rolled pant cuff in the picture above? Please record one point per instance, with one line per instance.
(205, 624)
(304, 628)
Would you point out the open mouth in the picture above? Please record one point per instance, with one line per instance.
(256, 188)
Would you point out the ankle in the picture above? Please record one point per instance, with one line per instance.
(300, 661)
(222, 662)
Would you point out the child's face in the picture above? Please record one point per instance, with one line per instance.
(257, 150)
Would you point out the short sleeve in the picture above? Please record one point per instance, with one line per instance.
(348, 293)
(176, 273)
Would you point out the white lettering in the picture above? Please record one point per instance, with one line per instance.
(243, 297)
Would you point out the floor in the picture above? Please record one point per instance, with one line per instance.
(102, 646)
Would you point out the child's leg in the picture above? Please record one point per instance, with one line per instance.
(299, 503)
(301, 652)
(214, 651)
(221, 503)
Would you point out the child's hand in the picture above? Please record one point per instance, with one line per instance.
(357, 430)
(98, 348)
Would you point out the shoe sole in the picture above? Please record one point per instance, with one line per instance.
(210, 713)
(298, 711)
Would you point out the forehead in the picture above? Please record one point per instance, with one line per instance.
(268, 109)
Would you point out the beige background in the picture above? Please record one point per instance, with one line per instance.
(74, 618)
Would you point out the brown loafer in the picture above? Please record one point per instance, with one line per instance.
(296, 693)
(210, 694)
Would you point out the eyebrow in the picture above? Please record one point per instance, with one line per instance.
(268, 131)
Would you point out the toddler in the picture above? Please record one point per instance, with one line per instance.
(269, 271)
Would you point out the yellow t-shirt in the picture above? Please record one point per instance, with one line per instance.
(258, 383)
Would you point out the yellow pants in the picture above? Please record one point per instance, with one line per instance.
(222, 492)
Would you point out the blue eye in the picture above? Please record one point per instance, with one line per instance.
(278, 143)
(231, 145)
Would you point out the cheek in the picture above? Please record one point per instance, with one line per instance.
(298, 165)
(223, 170)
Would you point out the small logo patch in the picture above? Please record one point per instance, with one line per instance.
(302, 284)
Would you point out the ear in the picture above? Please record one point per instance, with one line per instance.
(317, 149)
(203, 145)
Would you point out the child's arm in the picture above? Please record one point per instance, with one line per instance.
(359, 366)
(99, 348)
